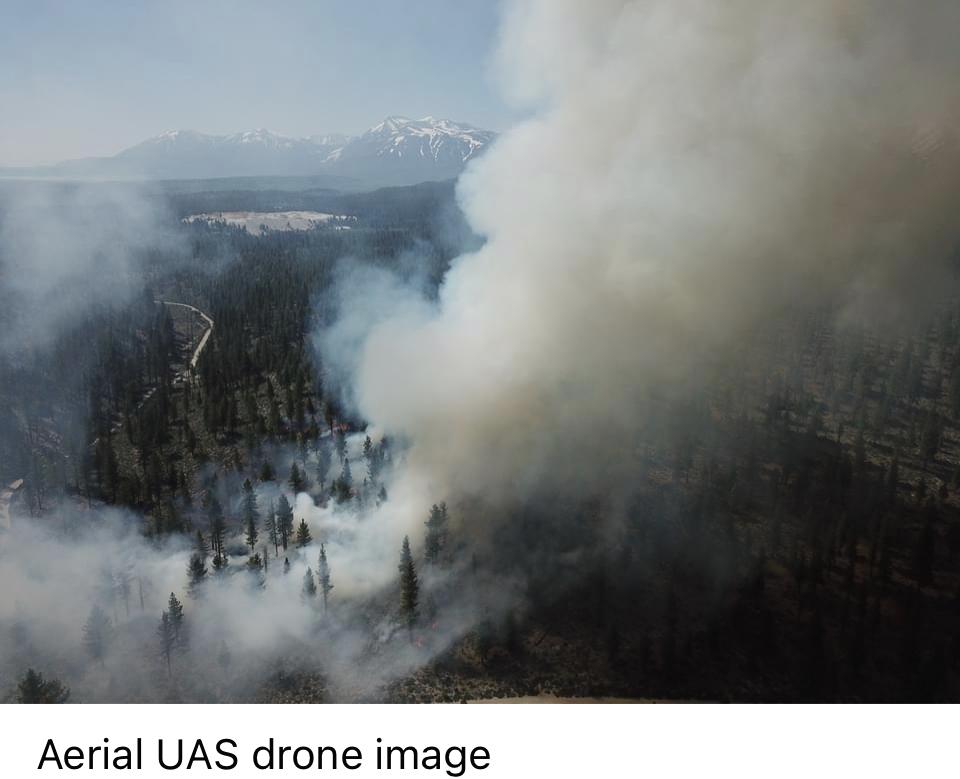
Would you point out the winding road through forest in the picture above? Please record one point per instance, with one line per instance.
(191, 365)
(206, 335)
(7, 494)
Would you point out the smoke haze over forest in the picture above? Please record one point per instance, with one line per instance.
(668, 378)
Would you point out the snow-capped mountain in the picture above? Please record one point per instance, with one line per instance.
(395, 151)
(189, 154)
(404, 149)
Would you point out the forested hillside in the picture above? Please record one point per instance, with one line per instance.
(793, 531)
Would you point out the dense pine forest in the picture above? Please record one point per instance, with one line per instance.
(793, 532)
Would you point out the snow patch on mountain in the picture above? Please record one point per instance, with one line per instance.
(396, 151)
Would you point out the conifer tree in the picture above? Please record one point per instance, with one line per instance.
(255, 567)
(250, 514)
(309, 586)
(220, 563)
(436, 533)
(196, 574)
(323, 576)
(33, 688)
(270, 525)
(175, 610)
(284, 521)
(323, 465)
(303, 534)
(218, 532)
(409, 587)
(201, 547)
(168, 640)
(296, 481)
(367, 448)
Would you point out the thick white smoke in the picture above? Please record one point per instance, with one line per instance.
(690, 168)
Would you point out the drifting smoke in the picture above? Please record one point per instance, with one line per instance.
(65, 248)
(251, 634)
(691, 168)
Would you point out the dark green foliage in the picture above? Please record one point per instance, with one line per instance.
(303, 534)
(270, 526)
(175, 610)
(33, 688)
(409, 587)
(250, 514)
(436, 536)
(296, 480)
(323, 576)
(196, 574)
(256, 567)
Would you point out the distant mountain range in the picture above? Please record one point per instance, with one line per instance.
(397, 151)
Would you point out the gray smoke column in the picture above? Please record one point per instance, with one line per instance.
(690, 167)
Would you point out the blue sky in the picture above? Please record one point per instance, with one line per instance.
(90, 78)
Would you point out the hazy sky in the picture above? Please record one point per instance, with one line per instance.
(90, 78)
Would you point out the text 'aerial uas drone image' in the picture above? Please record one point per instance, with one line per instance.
(541, 351)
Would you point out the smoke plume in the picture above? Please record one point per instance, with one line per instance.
(689, 169)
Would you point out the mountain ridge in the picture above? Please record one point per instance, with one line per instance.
(396, 151)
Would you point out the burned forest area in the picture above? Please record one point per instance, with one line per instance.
(193, 508)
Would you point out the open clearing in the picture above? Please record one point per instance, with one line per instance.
(260, 222)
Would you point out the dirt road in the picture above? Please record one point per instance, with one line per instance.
(191, 365)
(206, 336)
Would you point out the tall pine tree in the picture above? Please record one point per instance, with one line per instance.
(309, 586)
(436, 533)
(250, 514)
(323, 576)
(284, 521)
(303, 534)
(409, 587)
